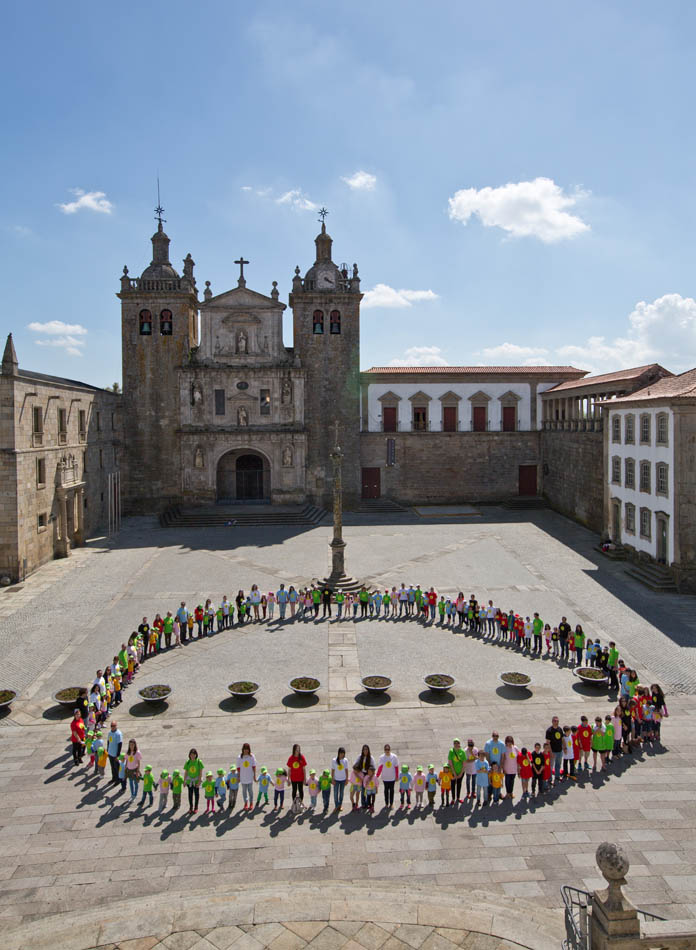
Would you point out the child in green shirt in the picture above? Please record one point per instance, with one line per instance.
(177, 786)
(264, 781)
(148, 785)
(325, 786)
(209, 793)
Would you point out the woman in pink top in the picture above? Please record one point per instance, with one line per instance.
(133, 760)
(511, 758)
(470, 756)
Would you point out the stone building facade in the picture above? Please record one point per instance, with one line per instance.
(59, 441)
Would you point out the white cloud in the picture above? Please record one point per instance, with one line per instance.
(298, 200)
(663, 331)
(385, 296)
(361, 181)
(55, 327)
(87, 200)
(247, 188)
(67, 336)
(20, 230)
(523, 209)
(421, 356)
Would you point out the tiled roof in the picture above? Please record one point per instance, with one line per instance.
(61, 380)
(476, 370)
(622, 375)
(671, 387)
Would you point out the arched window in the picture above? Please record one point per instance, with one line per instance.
(335, 321)
(166, 323)
(145, 323)
(318, 321)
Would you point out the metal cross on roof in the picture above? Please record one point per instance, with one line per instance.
(241, 263)
(159, 210)
(322, 214)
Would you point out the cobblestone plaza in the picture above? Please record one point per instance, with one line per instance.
(60, 827)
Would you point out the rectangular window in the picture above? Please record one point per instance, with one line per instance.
(645, 430)
(265, 402)
(37, 420)
(420, 418)
(479, 419)
(42, 521)
(41, 473)
(631, 518)
(62, 425)
(662, 429)
(645, 520)
(449, 418)
(509, 418)
(219, 402)
(113, 420)
(101, 458)
(98, 421)
(645, 476)
(389, 418)
(630, 474)
(630, 429)
(82, 424)
(84, 462)
(661, 478)
(616, 471)
(616, 428)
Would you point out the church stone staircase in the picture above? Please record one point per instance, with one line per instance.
(655, 576)
(380, 506)
(231, 516)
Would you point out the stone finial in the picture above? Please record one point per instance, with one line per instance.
(10, 364)
(297, 270)
(274, 292)
(207, 293)
(125, 279)
(297, 281)
(613, 862)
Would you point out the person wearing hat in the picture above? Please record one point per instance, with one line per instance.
(264, 781)
(122, 771)
(405, 785)
(165, 783)
(232, 782)
(313, 788)
(419, 785)
(177, 787)
(209, 793)
(148, 785)
(221, 788)
(325, 786)
(370, 786)
(281, 777)
(431, 784)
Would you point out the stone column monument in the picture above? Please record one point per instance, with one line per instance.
(338, 577)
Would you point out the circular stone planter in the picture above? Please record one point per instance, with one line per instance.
(7, 697)
(68, 697)
(157, 693)
(439, 682)
(517, 680)
(243, 689)
(376, 683)
(591, 676)
(304, 685)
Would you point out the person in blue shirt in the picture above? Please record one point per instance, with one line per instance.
(482, 769)
(264, 781)
(377, 603)
(494, 749)
(411, 599)
(114, 744)
(122, 771)
(221, 788)
(232, 782)
(282, 598)
(431, 784)
(405, 785)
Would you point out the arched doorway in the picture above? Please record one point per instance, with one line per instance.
(243, 475)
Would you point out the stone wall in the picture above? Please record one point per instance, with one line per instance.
(450, 467)
(573, 474)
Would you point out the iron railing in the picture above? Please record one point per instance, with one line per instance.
(578, 919)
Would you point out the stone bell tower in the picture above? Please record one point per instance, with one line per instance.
(159, 326)
(326, 329)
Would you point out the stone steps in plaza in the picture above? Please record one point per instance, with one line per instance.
(654, 576)
(525, 502)
(242, 515)
(377, 506)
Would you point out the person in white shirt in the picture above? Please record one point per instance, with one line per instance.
(388, 770)
(246, 767)
(491, 611)
(339, 774)
(528, 632)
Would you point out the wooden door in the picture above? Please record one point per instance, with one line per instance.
(370, 483)
(662, 540)
(616, 522)
(449, 418)
(509, 418)
(479, 418)
(527, 479)
(389, 418)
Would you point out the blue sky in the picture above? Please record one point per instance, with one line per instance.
(515, 181)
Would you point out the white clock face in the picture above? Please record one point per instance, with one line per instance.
(326, 281)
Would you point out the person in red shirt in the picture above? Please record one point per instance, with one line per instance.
(518, 627)
(547, 765)
(198, 617)
(584, 735)
(576, 744)
(432, 603)
(524, 768)
(503, 625)
(297, 765)
(77, 737)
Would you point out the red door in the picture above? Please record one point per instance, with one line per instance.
(479, 418)
(449, 418)
(509, 418)
(527, 479)
(389, 418)
(370, 483)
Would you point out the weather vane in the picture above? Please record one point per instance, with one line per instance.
(322, 214)
(159, 210)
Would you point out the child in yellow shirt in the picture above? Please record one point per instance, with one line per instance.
(444, 780)
(496, 778)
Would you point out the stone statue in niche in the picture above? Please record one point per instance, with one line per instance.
(242, 416)
(286, 392)
(196, 394)
(242, 342)
(198, 460)
(218, 347)
(264, 347)
(287, 457)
